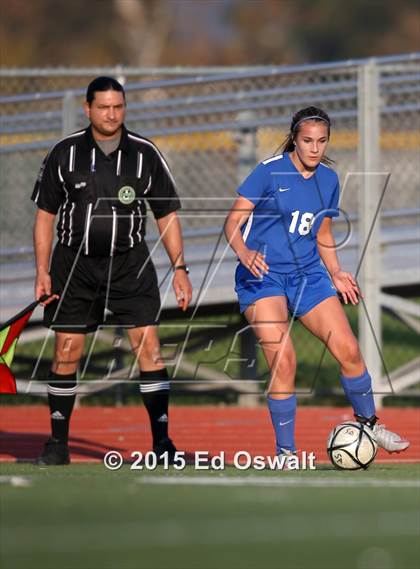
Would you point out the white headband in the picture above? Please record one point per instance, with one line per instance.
(309, 118)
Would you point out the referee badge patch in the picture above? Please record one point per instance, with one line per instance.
(126, 195)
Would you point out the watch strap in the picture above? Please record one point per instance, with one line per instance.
(181, 268)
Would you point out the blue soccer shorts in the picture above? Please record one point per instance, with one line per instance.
(303, 289)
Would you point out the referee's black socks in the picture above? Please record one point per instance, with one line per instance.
(154, 388)
(61, 396)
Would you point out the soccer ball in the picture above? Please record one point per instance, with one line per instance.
(351, 446)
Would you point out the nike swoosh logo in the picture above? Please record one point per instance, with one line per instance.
(286, 423)
(284, 189)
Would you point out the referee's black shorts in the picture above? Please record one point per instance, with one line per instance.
(102, 291)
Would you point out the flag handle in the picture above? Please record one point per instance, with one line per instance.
(29, 308)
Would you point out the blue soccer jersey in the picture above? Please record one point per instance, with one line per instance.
(288, 212)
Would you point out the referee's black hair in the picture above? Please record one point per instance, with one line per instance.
(308, 113)
(103, 83)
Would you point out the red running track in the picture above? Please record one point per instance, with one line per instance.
(95, 430)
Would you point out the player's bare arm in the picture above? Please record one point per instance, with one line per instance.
(254, 261)
(171, 234)
(344, 282)
(43, 238)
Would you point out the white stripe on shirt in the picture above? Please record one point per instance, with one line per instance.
(149, 185)
(87, 228)
(93, 160)
(63, 210)
(248, 227)
(65, 138)
(278, 157)
(119, 162)
(162, 159)
(140, 224)
(72, 157)
(52, 148)
(130, 233)
(114, 230)
(73, 205)
(139, 164)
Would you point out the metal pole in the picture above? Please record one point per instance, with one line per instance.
(370, 270)
(69, 113)
(247, 143)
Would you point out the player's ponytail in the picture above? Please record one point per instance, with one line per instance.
(308, 113)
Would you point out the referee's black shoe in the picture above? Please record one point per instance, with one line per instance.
(54, 454)
(162, 447)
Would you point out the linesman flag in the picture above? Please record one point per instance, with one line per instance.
(9, 336)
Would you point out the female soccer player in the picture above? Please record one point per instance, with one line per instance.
(280, 229)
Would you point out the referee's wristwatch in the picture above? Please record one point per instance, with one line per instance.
(181, 268)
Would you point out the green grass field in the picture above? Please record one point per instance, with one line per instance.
(84, 516)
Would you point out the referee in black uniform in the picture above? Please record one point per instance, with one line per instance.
(97, 180)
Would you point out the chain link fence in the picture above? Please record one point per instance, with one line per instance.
(201, 122)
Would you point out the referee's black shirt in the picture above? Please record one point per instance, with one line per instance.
(101, 199)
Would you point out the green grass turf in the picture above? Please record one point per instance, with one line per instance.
(84, 516)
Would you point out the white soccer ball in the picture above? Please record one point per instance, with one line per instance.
(351, 446)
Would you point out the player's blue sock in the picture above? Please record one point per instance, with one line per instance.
(359, 392)
(283, 414)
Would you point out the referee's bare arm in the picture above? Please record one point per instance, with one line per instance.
(43, 238)
(171, 234)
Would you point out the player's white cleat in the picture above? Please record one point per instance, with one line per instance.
(287, 457)
(388, 440)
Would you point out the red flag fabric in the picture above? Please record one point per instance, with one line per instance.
(9, 335)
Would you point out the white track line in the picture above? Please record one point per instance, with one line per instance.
(284, 479)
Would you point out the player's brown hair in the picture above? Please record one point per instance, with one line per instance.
(308, 113)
